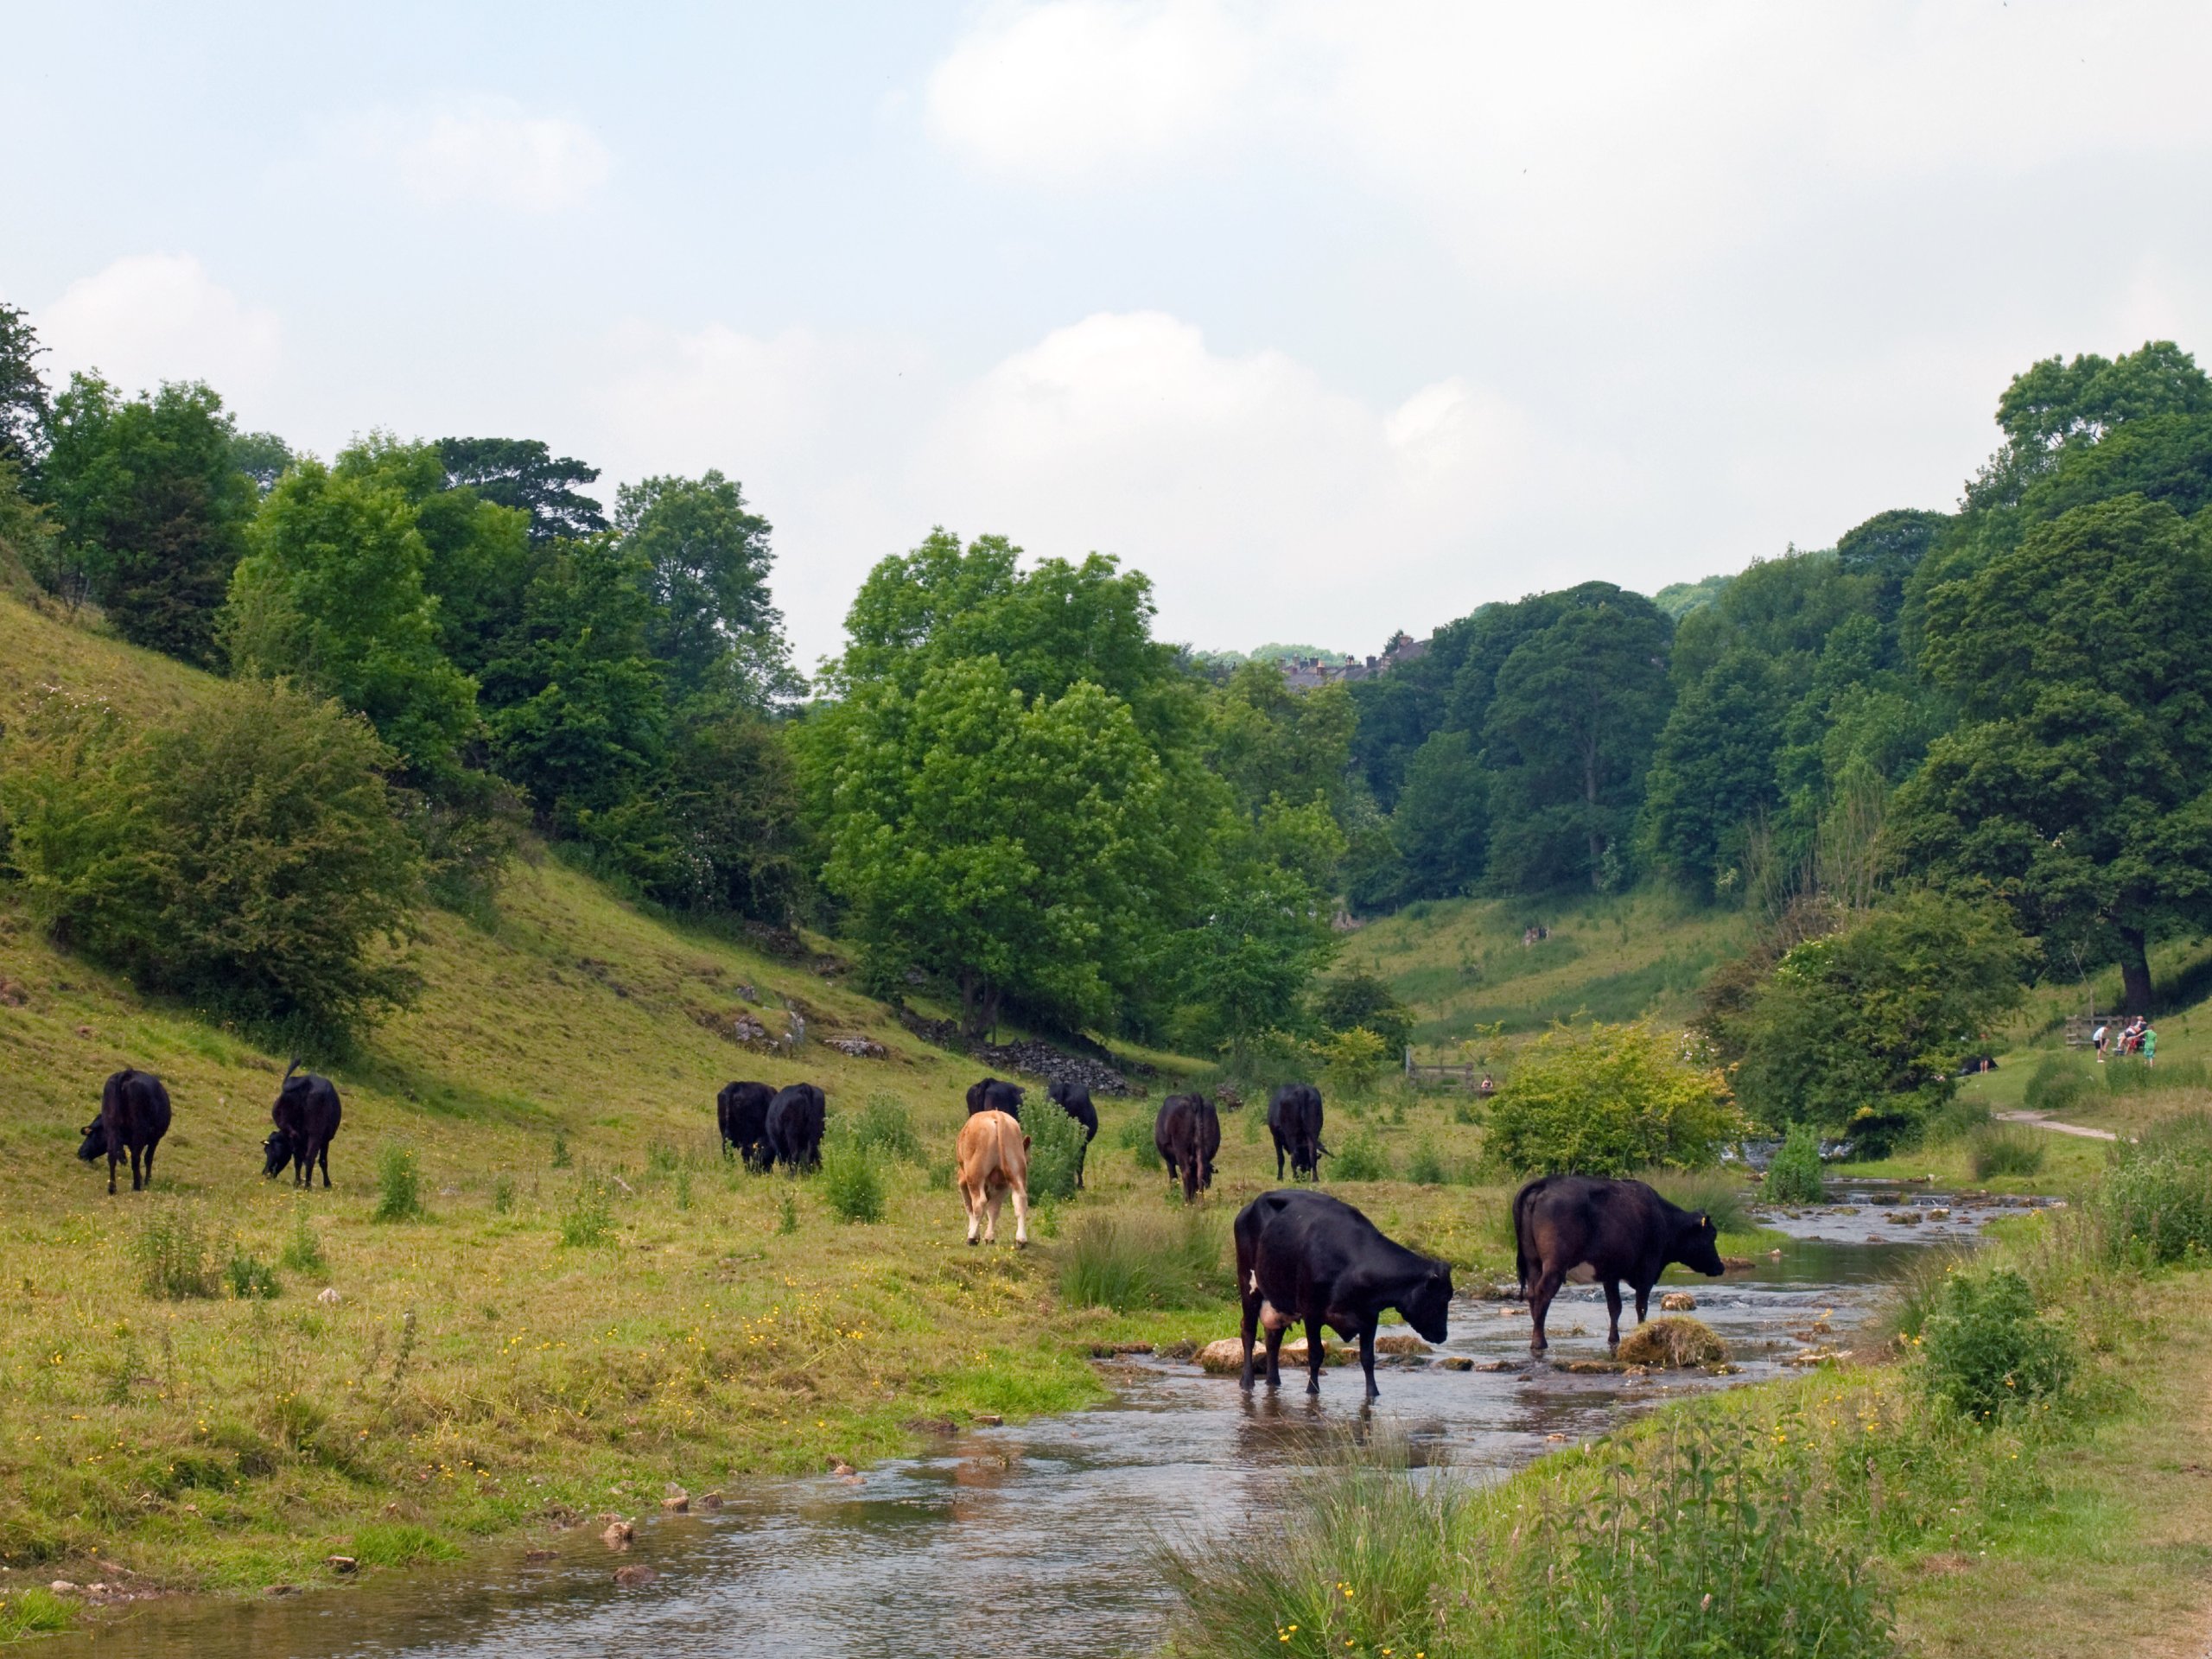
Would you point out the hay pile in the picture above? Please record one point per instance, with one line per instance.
(1673, 1344)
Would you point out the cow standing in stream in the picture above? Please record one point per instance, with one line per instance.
(1622, 1231)
(134, 1116)
(1303, 1256)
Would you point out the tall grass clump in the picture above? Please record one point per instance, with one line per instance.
(1360, 1159)
(399, 1543)
(588, 1219)
(176, 1257)
(32, 1610)
(302, 1251)
(1056, 1149)
(1794, 1176)
(2155, 1199)
(1141, 1259)
(2006, 1149)
(250, 1278)
(1988, 1351)
(884, 1125)
(2059, 1083)
(1427, 1168)
(852, 1180)
(399, 1185)
(1134, 1137)
(1707, 1191)
(2132, 1077)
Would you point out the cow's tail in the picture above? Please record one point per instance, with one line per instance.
(1521, 1232)
(289, 1070)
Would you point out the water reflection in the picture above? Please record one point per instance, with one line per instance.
(1035, 1539)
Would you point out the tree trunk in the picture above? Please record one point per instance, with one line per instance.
(1590, 808)
(2134, 971)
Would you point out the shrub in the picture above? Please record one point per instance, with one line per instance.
(1360, 1159)
(588, 1220)
(561, 1157)
(1056, 1145)
(852, 1184)
(2155, 1200)
(1352, 1062)
(302, 1251)
(883, 1125)
(250, 1278)
(1954, 1120)
(1794, 1176)
(2006, 1149)
(1427, 1168)
(1605, 1100)
(787, 1213)
(2059, 1083)
(1358, 999)
(399, 1185)
(245, 857)
(1708, 1192)
(1140, 1259)
(1987, 1352)
(1135, 1137)
(176, 1257)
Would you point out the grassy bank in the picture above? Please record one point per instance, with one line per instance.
(1858, 1511)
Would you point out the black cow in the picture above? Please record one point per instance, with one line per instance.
(305, 1114)
(1188, 1134)
(1302, 1256)
(134, 1116)
(794, 1126)
(1620, 1229)
(1294, 1121)
(741, 1113)
(993, 1094)
(1075, 1100)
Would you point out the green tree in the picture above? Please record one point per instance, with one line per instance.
(1261, 935)
(262, 456)
(731, 806)
(332, 595)
(1269, 742)
(1361, 999)
(1569, 733)
(244, 854)
(1861, 1032)
(705, 560)
(1609, 1100)
(1713, 773)
(522, 473)
(23, 389)
(1014, 845)
(151, 507)
(2078, 786)
(1442, 827)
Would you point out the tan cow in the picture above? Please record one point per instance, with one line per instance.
(993, 1159)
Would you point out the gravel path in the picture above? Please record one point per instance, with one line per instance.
(2043, 1122)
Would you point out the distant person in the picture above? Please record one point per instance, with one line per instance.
(2150, 1047)
(2097, 1042)
(1487, 1087)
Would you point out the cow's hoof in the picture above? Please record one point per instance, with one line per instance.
(1021, 1244)
(971, 1243)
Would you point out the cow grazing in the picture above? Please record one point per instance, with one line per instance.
(1075, 1100)
(992, 1158)
(1294, 1121)
(1622, 1231)
(134, 1116)
(794, 1126)
(995, 1095)
(306, 1116)
(1187, 1132)
(1302, 1256)
(741, 1113)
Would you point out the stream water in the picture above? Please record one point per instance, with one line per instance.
(1039, 1539)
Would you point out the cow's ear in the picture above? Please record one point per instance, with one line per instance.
(1706, 1222)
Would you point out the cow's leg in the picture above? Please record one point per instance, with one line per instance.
(1612, 1314)
(1367, 1358)
(1248, 1322)
(138, 1182)
(1548, 1281)
(1316, 1350)
(1642, 1303)
(1274, 1354)
(971, 1201)
(1279, 1159)
(111, 1174)
(150, 1168)
(323, 1153)
(993, 1198)
(1021, 1217)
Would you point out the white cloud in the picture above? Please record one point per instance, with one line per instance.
(480, 151)
(152, 317)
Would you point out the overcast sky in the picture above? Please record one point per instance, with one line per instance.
(1334, 319)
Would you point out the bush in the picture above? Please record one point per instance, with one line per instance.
(1987, 1352)
(399, 1185)
(1138, 1260)
(2155, 1200)
(588, 1220)
(1427, 1168)
(852, 1184)
(1793, 1177)
(2006, 1149)
(1056, 1145)
(1360, 1000)
(1135, 1138)
(245, 857)
(1954, 1120)
(176, 1257)
(1352, 1062)
(1360, 1159)
(250, 1278)
(1605, 1100)
(883, 1125)
(2059, 1083)
(302, 1251)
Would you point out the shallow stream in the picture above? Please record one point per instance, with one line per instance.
(1039, 1539)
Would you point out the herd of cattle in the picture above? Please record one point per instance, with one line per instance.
(1302, 1256)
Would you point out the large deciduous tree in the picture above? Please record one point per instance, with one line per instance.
(2078, 785)
(704, 559)
(23, 389)
(524, 473)
(1442, 827)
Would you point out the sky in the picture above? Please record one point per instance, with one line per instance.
(1334, 320)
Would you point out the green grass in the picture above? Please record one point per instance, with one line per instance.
(2007, 1149)
(1125, 1262)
